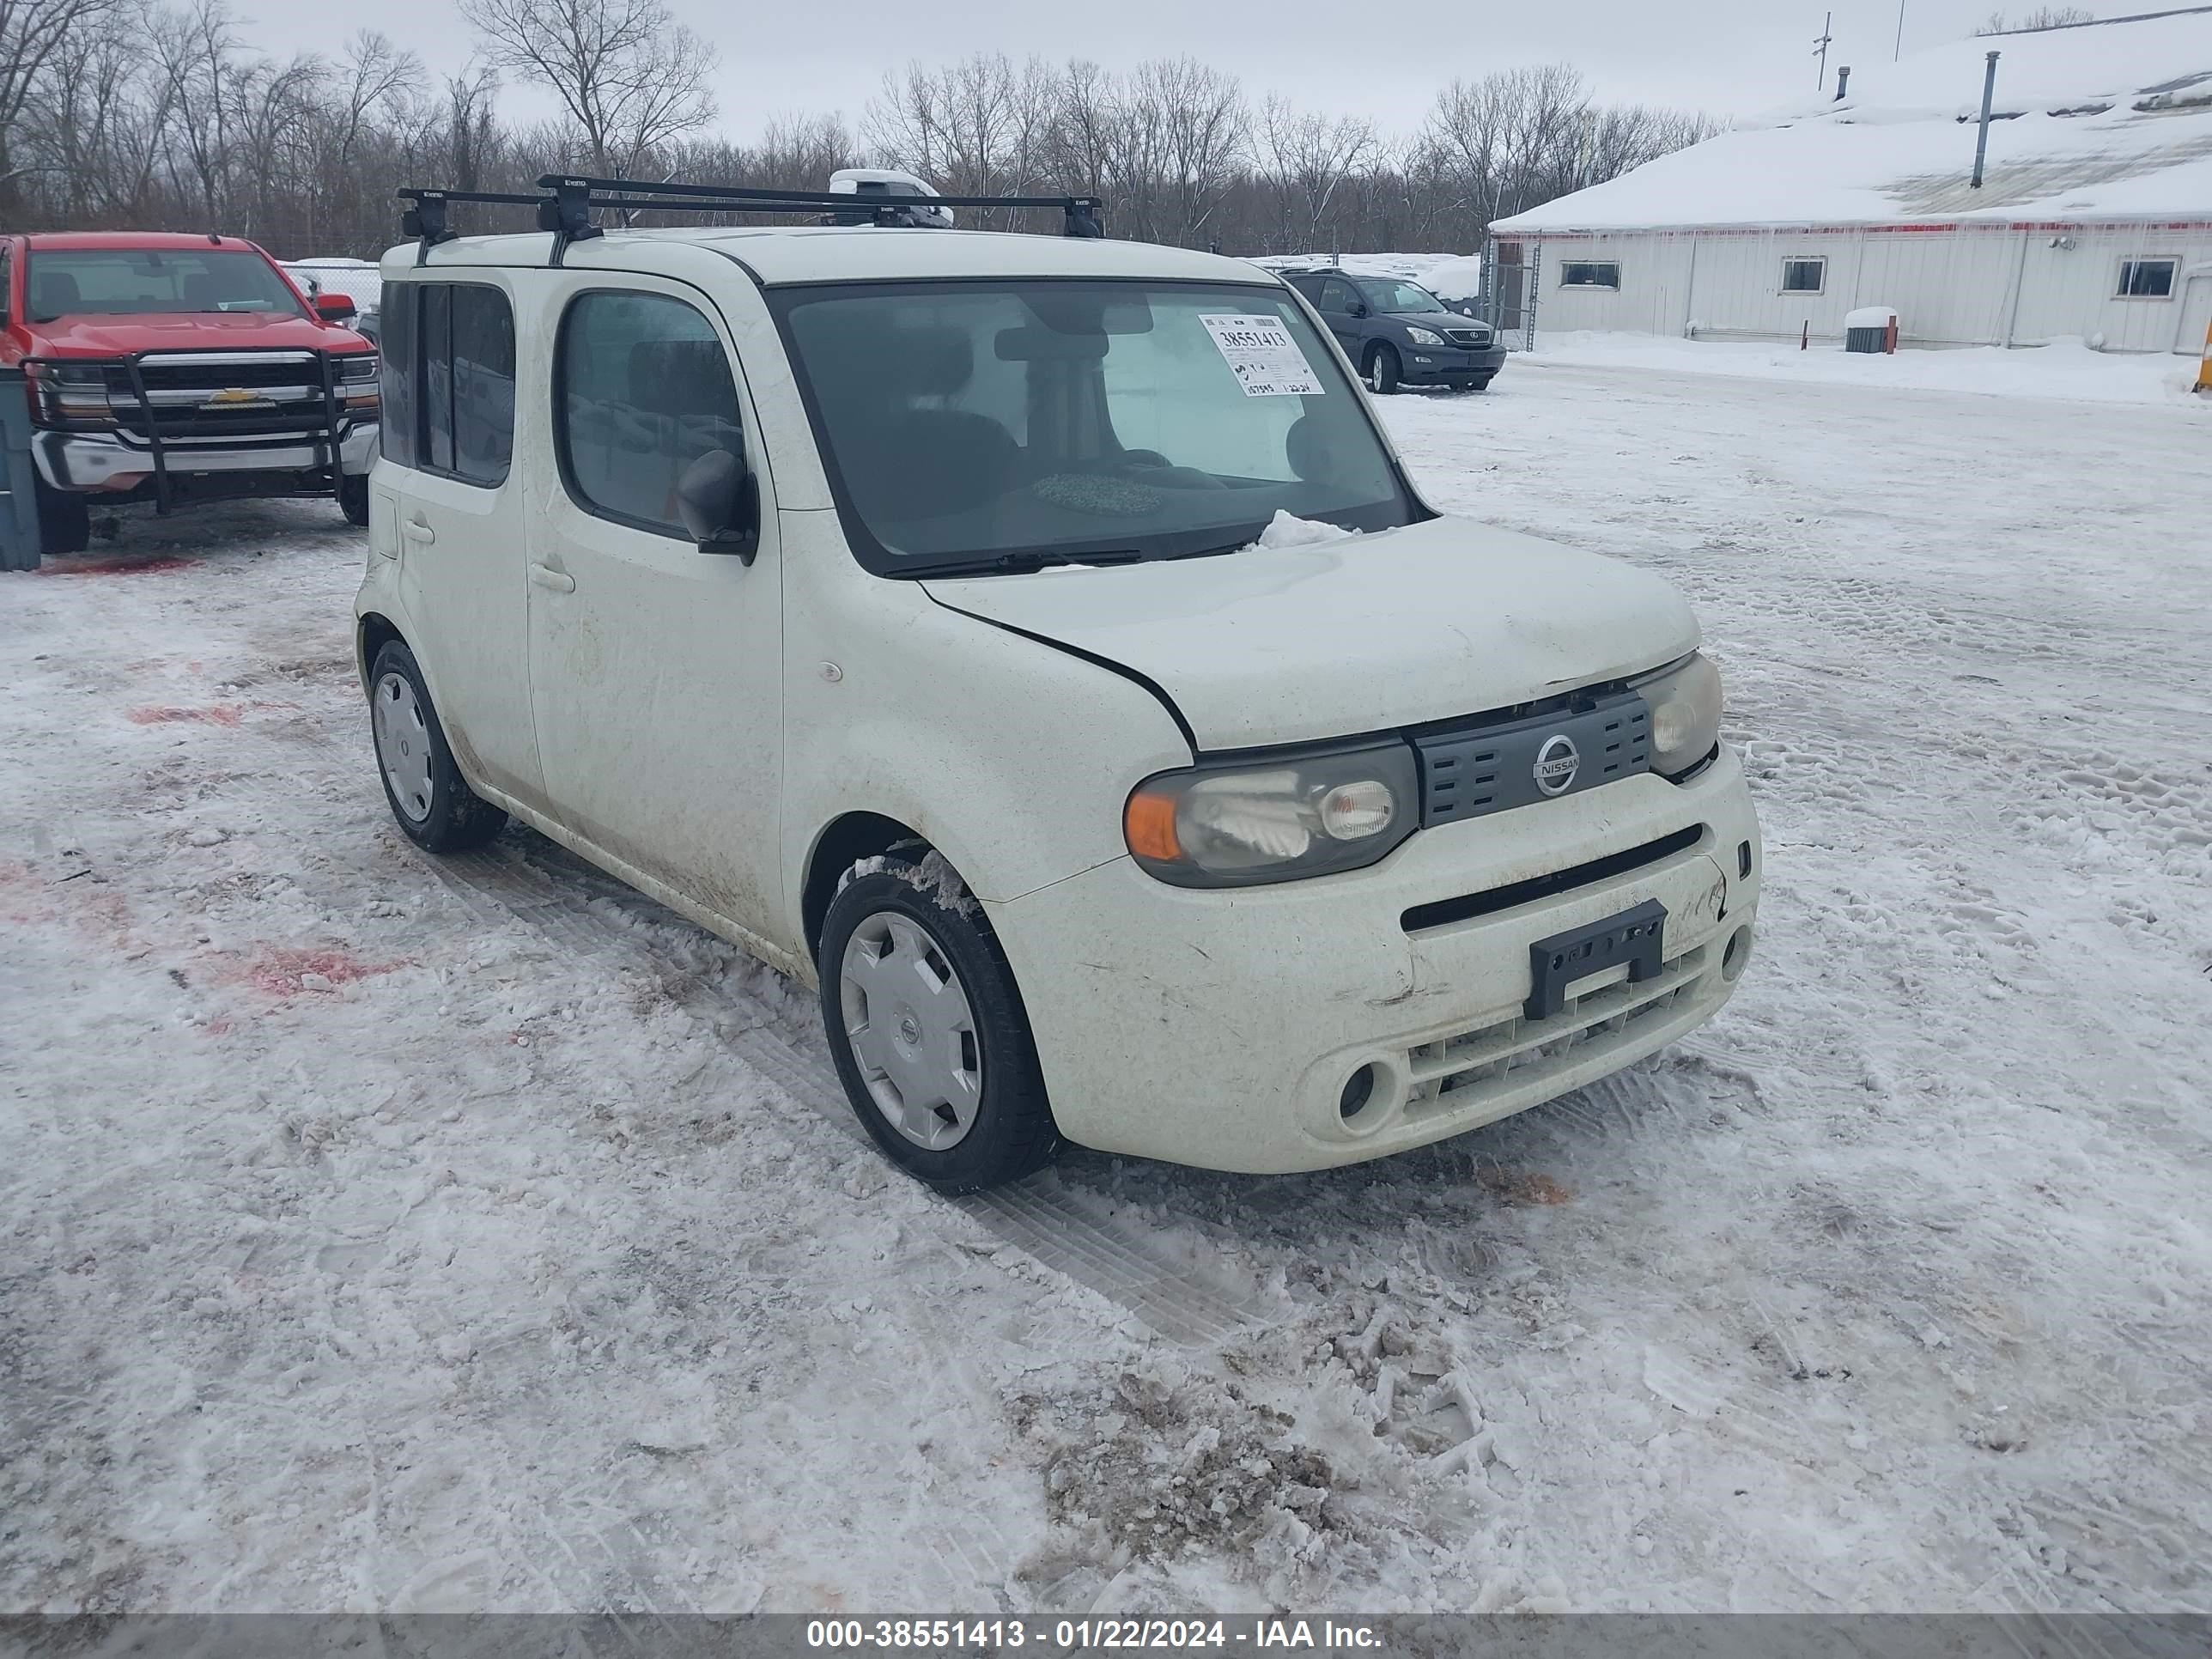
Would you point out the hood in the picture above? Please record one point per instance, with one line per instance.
(1361, 634)
(99, 335)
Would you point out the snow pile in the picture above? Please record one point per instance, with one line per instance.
(1286, 531)
(2064, 369)
(2113, 119)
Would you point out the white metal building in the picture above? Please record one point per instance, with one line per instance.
(2093, 218)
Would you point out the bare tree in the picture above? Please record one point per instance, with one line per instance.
(31, 32)
(627, 77)
(1308, 158)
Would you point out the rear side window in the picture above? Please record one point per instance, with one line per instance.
(449, 380)
(642, 389)
(401, 372)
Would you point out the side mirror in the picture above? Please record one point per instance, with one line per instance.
(720, 504)
(334, 307)
(1357, 308)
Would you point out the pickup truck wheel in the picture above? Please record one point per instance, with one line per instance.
(928, 1029)
(64, 520)
(1381, 370)
(353, 498)
(433, 802)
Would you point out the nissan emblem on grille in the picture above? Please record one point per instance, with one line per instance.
(1557, 762)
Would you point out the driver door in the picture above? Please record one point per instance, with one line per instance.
(656, 669)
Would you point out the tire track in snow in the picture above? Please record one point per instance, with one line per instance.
(569, 906)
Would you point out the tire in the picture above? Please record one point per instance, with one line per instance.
(434, 804)
(1380, 370)
(952, 1029)
(353, 498)
(1481, 382)
(65, 519)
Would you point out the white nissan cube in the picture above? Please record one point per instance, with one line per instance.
(1036, 643)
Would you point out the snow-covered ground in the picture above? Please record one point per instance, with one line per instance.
(376, 1233)
(2064, 369)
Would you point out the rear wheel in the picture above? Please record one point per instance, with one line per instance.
(1380, 368)
(428, 796)
(64, 520)
(928, 1029)
(353, 497)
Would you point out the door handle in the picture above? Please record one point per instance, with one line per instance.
(546, 577)
(416, 531)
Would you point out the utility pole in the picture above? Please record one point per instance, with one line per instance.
(1899, 51)
(1982, 143)
(1822, 47)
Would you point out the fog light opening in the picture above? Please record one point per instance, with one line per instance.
(1737, 953)
(1359, 1092)
(1743, 860)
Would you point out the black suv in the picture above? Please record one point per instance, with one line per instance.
(1399, 333)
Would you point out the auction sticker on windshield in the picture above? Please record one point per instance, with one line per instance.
(1262, 355)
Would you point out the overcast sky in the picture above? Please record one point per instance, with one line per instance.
(1732, 58)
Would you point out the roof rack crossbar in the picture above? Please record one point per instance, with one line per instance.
(565, 206)
(426, 220)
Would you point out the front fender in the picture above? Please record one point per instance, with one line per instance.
(1010, 757)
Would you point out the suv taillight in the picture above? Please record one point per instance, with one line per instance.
(69, 395)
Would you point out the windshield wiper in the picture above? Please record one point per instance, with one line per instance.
(1037, 558)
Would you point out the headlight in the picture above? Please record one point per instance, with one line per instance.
(1275, 820)
(1685, 714)
(1423, 336)
(70, 394)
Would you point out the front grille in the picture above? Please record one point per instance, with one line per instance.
(220, 371)
(1458, 1072)
(186, 392)
(1442, 912)
(1472, 771)
(1473, 338)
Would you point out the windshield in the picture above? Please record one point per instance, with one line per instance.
(133, 281)
(981, 425)
(1399, 296)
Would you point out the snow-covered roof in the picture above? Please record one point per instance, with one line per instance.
(2106, 120)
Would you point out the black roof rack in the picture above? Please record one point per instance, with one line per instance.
(565, 202)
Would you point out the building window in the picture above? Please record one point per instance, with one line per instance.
(1804, 275)
(2148, 279)
(642, 389)
(1588, 273)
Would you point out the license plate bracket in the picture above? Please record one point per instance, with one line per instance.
(1634, 937)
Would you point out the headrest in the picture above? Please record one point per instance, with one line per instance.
(54, 294)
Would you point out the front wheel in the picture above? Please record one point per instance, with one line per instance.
(433, 802)
(928, 1029)
(1381, 369)
(353, 497)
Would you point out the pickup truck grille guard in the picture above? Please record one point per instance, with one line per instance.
(141, 418)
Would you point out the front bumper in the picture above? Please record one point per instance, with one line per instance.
(104, 461)
(1447, 365)
(1218, 1028)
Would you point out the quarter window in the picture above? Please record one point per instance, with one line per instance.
(2147, 279)
(1589, 273)
(1804, 275)
(401, 374)
(642, 389)
(448, 374)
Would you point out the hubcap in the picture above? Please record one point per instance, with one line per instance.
(912, 1032)
(403, 746)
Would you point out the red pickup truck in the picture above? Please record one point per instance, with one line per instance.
(177, 369)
